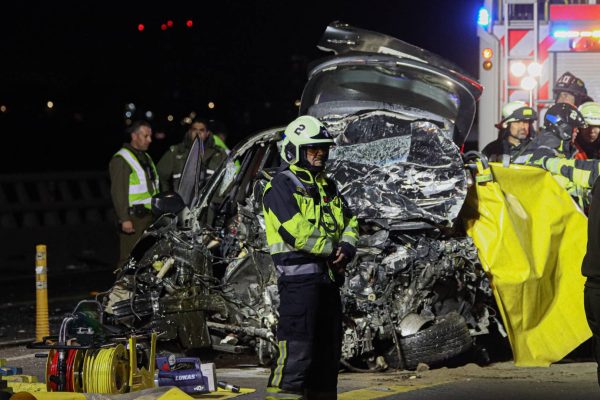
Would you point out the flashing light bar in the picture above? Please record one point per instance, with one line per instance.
(565, 34)
(483, 18)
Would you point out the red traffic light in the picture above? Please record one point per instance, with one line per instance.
(189, 23)
(169, 23)
(163, 27)
(140, 27)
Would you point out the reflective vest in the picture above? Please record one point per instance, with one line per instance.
(221, 144)
(305, 219)
(139, 192)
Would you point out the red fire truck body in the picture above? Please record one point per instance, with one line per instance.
(525, 45)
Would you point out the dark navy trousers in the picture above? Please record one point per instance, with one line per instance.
(309, 334)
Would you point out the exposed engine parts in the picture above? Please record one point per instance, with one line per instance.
(213, 284)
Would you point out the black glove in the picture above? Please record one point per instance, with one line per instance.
(348, 250)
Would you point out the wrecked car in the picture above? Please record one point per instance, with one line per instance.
(202, 275)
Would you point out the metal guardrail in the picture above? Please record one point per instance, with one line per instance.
(54, 199)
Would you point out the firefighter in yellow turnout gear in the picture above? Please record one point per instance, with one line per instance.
(585, 173)
(312, 236)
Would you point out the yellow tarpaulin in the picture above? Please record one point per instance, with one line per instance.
(531, 240)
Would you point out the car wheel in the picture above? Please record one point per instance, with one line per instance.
(446, 338)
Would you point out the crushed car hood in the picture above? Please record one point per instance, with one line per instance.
(399, 115)
(406, 172)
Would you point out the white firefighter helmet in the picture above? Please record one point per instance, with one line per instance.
(304, 131)
(516, 111)
(591, 113)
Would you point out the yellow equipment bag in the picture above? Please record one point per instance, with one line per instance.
(531, 239)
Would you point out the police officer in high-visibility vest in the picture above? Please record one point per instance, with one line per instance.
(171, 164)
(312, 236)
(134, 180)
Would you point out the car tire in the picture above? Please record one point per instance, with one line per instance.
(448, 337)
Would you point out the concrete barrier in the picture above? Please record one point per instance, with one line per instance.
(71, 212)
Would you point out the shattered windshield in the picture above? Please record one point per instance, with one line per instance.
(392, 85)
(391, 168)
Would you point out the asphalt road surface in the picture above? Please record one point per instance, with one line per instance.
(499, 381)
(66, 287)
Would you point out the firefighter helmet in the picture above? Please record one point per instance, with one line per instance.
(516, 111)
(304, 131)
(591, 113)
(569, 83)
(562, 119)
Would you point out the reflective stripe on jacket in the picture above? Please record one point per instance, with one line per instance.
(305, 217)
(580, 172)
(139, 190)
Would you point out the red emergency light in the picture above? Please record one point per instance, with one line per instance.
(585, 44)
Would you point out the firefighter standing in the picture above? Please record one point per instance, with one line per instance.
(170, 166)
(585, 173)
(515, 131)
(134, 180)
(312, 236)
(571, 90)
(556, 140)
(587, 143)
(590, 268)
(561, 124)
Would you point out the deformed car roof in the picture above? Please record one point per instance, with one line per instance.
(358, 49)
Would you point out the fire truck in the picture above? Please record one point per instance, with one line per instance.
(525, 45)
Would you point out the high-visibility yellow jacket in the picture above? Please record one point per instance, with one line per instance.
(581, 172)
(306, 217)
(140, 190)
(580, 175)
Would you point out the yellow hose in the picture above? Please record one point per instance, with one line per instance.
(112, 370)
(105, 370)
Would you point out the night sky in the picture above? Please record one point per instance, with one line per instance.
(248, 57)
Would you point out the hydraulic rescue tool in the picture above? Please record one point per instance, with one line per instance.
(85, 358)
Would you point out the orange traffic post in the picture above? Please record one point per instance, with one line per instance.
(42, 327)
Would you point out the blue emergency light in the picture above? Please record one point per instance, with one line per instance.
(483, 18)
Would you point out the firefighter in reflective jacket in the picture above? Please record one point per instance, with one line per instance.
(585, 174)
(556, 140)
(312, 237)
(588, 139)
